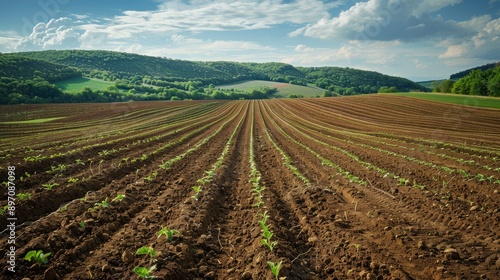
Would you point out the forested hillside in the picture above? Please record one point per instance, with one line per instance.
(464, 73)
(28, 77)
(350, 81)
(26, 68)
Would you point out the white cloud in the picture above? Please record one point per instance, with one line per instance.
(429, 6)
(483, 44)
(177, 16)
(406, 20)
(57, 33)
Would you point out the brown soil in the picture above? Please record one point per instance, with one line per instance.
(334, 214)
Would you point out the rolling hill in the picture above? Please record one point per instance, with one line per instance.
(141, 77)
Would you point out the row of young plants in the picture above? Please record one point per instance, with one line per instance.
(179, 121)
(401, 181)
(478, 152)
(38, 155)
(211, 173)
(258, 193)
(58, 169)
(448, 170)
(287, 159)
(469, 151)
(52, 183)
(440, 168)
(86, 138)
(146, 272)
(170, 162)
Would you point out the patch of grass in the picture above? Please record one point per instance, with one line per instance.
(35, 121)
(468, 100)
(77, 84)
(284, 89)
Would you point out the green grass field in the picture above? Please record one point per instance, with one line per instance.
(77, 84)
(284, 89)
(478, 101)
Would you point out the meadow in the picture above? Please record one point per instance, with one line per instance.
(284, 89)
(77, 84)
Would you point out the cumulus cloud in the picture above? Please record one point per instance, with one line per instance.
(387, 20)
(484, 44)
(405, 20)
(57, 33)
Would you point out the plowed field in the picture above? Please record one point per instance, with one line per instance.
(368, 187)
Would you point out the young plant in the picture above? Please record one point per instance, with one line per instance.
(39, 256)
(81, 224)
(275, 268)
(103, 153)
(23, 196)
(72, 180)
(80, 162)
(270, 244)
(119, 198)
(146, 250)
(4, 209)
(197, 191)
(169, 233)
(103, 204)
(49, 186)
(145, 273)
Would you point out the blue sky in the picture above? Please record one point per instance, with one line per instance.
(420, 40)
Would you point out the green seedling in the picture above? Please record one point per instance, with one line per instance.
(270, 244)
(169, 233)
(144, 157)
(81, 224)
(275, 268)
(103, 153)
(49, 186)
(119, 197)
(23, 196)
(197, 191)
(72, 180)
(145, 273)
(146, 250)
(39, 256)
(103, 204)
(80, 162)
(4, 209)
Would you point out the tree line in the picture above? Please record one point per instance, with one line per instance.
(477, 82)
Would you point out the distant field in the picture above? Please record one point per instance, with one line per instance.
(78, 84)
(428, 84)
(478, 101)
(284, 89)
